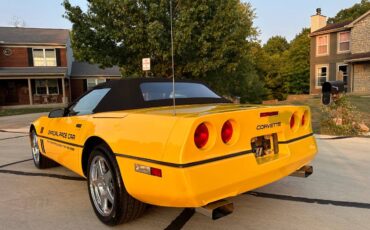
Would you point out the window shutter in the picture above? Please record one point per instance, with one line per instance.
(30, 57)
(85, 84)
(57, 54)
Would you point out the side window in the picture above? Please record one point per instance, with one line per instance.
(87, 104)
(322, 45)
(321, 75)
(343, 42)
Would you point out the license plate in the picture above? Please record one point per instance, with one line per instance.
(266, 145)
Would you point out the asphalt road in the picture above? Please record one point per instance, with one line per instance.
(336, 196)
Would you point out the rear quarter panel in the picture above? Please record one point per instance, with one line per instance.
(140, 135)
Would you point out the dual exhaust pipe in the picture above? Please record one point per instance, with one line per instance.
(304, 172)
(217, 209)
(221, 208)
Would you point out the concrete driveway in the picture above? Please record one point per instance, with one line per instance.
(336, 196)
(19, 122)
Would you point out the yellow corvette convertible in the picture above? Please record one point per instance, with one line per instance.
(136, 148)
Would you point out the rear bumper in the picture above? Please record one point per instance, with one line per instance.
(201, 184)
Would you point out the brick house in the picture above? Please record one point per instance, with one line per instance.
(85, 76)
(340, 51)
(37, 68)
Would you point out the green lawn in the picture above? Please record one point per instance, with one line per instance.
(361, 102)
(10, 112)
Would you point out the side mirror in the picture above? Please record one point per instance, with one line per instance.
(331, 88)
(57, 113)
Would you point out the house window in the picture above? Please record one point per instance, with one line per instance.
(321, 75)
(52, 86)
(342, 74)
(343, 41)
(322, 45)
(44, 57)
(47, 87)
(92, 82)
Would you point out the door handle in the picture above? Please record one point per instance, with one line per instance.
(78, 125)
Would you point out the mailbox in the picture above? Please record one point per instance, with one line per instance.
(331, 88)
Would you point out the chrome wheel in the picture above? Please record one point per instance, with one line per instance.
(35, 148)
(101, 185)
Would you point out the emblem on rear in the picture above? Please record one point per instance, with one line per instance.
(268, 126)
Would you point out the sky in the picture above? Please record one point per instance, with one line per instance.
(274, 17)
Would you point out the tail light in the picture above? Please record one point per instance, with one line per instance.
(303, 121)
(201, 136)
(227, 132)
(156, 172)
(292, 121)
(305, 118)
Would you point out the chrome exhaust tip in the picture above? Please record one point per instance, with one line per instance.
(217, 209)
(304, 172)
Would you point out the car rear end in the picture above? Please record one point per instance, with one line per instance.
(214, 155)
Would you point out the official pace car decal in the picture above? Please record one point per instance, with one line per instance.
(268, 126)
(69, 136)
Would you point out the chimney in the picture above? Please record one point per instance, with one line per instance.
(318, 21)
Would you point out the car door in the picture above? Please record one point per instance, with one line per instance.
(67, 134)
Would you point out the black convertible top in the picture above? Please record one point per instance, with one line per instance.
(126, 94)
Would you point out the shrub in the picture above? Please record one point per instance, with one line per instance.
(340, 118)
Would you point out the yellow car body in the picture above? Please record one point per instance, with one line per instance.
(158, 138)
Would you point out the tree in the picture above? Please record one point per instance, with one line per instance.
(246, 84)
(17, 22)
(276, 45)
(251, 88)
(209, 37)
(212, 39)
(272, 65)
(351, 13)
(285, 66)
(296, 61)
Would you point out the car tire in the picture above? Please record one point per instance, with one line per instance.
(40, 161)
(111, 202)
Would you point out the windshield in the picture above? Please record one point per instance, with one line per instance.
(163, 90)
(88, 103)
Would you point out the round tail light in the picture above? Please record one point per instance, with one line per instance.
(305, 118)
(227, 132)
(303, 121)
(292, 122)
(201, 136)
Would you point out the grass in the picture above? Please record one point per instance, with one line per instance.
(362, 104)
(11, 112)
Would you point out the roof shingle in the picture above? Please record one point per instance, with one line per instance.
(21, 35)
(22, 71)
(334, 26)
(85, 69)
(359, 57)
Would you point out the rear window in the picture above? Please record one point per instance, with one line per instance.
(163, 90)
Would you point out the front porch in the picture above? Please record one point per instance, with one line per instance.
(34, 92)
